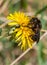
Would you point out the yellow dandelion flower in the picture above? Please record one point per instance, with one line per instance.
(22, 33)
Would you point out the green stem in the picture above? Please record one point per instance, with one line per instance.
(41, 10)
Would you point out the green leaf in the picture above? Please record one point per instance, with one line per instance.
(41, 10)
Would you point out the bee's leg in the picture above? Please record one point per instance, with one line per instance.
(36, 37)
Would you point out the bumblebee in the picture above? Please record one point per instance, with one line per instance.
(35, 25)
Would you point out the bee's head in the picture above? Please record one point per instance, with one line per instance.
(36, 23)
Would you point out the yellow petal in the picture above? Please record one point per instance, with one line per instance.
(18, 39)
(18, 33)
(19, 44)
(31, 40)
(10, 17)
(16, 30)
(23, 42)
(12, 23)
(29, 43)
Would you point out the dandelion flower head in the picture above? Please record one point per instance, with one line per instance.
(22, 33)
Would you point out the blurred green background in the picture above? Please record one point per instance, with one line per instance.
(8, 48)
